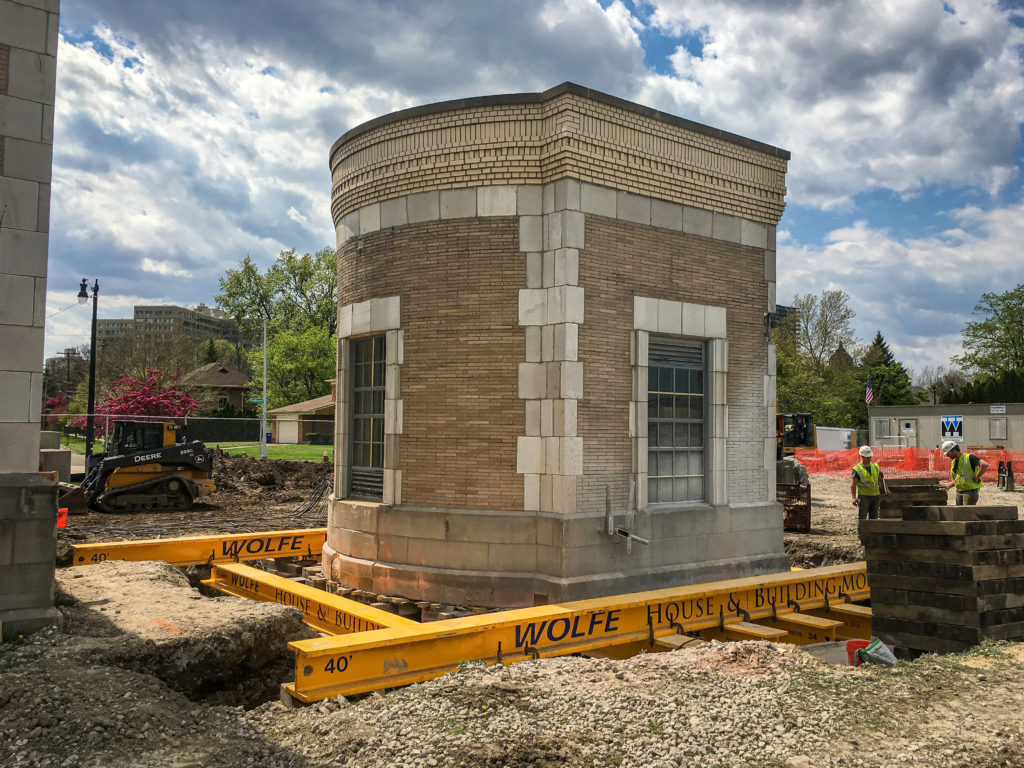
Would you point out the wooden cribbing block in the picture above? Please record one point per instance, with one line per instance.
(998, 558)
(983, 620)
(744, 630)
(803, 628)
(945, 601)
(946, 631)
(957, 528)
(899, 566)
(856, 620)
(940, 513)
(938, 541)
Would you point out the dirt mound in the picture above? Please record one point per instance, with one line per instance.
(246, 474)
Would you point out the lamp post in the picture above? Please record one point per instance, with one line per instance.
(263, 421)
(83, 298)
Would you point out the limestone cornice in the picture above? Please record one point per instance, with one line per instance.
(566, 132)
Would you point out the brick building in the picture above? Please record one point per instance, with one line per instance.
(162, 323)
(549, 303)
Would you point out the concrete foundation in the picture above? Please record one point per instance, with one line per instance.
(58, 460)
(28, 547)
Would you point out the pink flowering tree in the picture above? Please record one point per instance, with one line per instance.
(156, 396)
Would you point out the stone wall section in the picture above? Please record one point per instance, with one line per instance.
(28, 60)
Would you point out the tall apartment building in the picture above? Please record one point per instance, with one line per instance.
(164, 323)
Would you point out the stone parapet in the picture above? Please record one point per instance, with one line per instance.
(565, 132)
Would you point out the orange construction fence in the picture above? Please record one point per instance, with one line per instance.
(906, 462)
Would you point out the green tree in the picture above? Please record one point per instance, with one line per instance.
(1004, 387)
(890, 381)
(995, 344)
(300, 365)
(824, 326)
(295, 292)
(297, 295)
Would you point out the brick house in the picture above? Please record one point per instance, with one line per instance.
(552, 305)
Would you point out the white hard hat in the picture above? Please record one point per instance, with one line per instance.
(865, 450)
(947, 446)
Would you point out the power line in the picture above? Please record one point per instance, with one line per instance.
(69, 306)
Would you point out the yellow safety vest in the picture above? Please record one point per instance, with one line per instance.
(962, 474)
(867, 479)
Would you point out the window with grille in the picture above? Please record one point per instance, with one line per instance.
(367, 423)
(676, 421)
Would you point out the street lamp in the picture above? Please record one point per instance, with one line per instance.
(83, 298)
(263, 421)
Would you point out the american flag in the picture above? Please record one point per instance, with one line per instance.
(869, 393)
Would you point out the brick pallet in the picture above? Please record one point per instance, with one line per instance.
(911, 492)
(944, 578)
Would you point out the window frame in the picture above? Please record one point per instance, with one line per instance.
(375, 418)
(653, 423)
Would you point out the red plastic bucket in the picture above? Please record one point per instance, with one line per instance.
(852, 646)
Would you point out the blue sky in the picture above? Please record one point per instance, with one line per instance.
(191, 134)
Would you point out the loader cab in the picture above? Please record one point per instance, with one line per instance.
(131, 436)
(792, 431)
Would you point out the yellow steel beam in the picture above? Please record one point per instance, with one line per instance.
(386, 658)
(197, 550)
(329, 613)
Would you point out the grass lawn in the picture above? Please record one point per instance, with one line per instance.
(292, 452)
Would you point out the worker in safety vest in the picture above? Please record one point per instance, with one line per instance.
(965, 471)
(866, 485)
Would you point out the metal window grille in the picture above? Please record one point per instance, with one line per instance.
(366, 480)
(676, 421)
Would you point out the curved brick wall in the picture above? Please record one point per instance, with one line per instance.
(517, 252)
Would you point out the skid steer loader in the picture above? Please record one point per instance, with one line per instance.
(144, 469)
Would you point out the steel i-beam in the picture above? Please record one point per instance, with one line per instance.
(329, 613)
(199, 550)
(396, 656)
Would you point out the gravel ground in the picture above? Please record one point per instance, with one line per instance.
(149, 673)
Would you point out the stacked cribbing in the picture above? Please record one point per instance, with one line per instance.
(911, 492)
(944, 578)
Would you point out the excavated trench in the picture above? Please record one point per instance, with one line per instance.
(148, 618)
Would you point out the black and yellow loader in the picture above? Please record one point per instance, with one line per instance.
(144, 469)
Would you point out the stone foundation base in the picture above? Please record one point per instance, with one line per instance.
(517, 559)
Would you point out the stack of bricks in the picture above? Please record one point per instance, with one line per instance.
(944, 578)
(911, 492)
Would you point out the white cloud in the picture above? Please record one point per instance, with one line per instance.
(917, 291)
(866, 94)
(165, 268)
